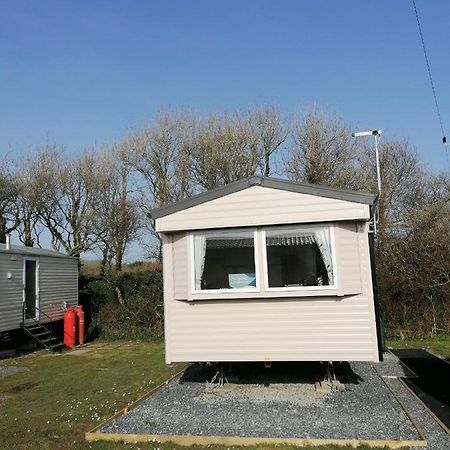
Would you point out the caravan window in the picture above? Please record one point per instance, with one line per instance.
(224, 260)
(299, 257)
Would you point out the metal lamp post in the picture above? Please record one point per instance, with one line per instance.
(375, 134)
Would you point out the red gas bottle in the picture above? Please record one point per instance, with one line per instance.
(80, 323)
(70, 327)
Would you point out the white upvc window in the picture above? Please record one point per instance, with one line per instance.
(224, 261)
(293, 258)
(300, 257)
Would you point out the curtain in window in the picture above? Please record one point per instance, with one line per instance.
(323, 241)
(199, 259)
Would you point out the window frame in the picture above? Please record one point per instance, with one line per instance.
(230, 231)
(306, 228)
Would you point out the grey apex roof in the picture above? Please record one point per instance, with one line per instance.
(269, 182)
(31, 251)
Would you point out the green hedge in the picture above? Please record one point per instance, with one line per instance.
(140, 317)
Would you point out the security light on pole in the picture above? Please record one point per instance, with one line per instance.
(375, 134)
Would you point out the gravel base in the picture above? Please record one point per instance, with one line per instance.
(437, 438)
(391, 366)
(284, 408)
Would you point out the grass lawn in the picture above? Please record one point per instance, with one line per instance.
(57, 398)
(439, 345)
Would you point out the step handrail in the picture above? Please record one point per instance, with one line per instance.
(40, 311)
(36, 321)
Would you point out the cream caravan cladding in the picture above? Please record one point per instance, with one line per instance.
(332, 318)
(57, 283)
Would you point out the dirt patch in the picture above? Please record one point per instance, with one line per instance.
(79, 351)
(96, 348)
(21, 387)
(11, 370)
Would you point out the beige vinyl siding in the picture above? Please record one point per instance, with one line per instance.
(258, 206)
(168, 284)
(11, 291)
(348, 259)
(181, 259)
(295, 329)
(58, 284)
(292, 325)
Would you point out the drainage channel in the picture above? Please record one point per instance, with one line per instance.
(432, 382)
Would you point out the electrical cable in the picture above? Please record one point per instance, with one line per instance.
(438, 111)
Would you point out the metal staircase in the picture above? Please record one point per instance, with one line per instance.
(41, 333)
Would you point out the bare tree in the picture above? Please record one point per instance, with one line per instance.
(271, 130)
(117, 215)
(415, 266)
(67, 191)
(239, 144)
(9, 193)
(207, 154)
(225, 150)
(28, 230)
(402, 180)
(161, 155)
(322, 152)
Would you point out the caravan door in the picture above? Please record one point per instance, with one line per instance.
(31, 288)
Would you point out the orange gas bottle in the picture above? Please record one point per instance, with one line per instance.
(80, 323)
(70, 327)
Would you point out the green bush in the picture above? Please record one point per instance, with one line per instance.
(139, 317)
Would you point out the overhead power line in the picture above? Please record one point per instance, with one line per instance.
(430, 76)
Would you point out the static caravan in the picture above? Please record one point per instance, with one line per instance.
(265, 269)
(35, 285)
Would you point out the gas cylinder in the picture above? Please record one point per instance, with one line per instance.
(80, 323)
(70, 327)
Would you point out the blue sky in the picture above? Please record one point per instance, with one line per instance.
(85, 72)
